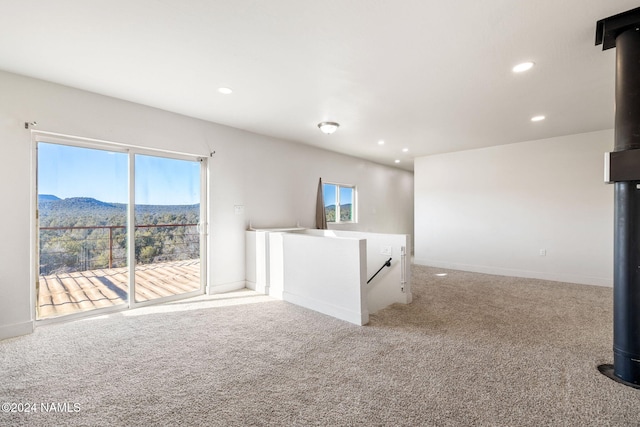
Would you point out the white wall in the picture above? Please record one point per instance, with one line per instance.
(274, 180)
(387, 287)
(326, 274)
(295, 269)
(492, 210)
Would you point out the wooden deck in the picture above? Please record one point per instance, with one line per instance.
(61, 294)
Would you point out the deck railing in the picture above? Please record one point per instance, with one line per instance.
(81, 248)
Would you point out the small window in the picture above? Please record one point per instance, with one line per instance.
(339, 202)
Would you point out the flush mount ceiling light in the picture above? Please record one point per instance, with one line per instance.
(405, 150)
(328, 127)
(225, 90)
(525, 66)
(537, 118)
(397, 161)
(381, 142)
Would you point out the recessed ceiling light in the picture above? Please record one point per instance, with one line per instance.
(397, 161)
(537, 118)
(525, 66)
(381, 142)
(225, 91)
(404, 150)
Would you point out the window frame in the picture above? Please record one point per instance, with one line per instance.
(354, 209)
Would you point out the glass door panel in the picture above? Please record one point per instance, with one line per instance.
(82, 211)
(167, 232)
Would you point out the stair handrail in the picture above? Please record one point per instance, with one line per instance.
(387, 263)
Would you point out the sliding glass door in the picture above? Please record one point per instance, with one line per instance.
(104, 214)
(82, 215)
(167, 231)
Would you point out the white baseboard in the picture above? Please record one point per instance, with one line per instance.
(500, 271)
(328, 309)
(275, 293)
(15, 330)
(226, 287)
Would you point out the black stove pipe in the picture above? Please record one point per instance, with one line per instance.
(623, 32)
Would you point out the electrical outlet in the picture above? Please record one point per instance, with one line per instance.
(385, 250)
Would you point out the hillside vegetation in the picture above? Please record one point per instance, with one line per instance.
(345, 213)
(82, 233)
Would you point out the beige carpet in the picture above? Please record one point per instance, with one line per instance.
(471, 350)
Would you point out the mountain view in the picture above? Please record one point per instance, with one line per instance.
(83, 233)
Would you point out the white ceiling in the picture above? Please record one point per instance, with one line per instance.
(431, 76)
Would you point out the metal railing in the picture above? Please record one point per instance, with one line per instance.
(69, 247)
(387, 263)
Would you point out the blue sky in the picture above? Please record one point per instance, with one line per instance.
(329, 195)
(67, 171)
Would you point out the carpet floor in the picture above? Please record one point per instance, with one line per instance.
(471, 350)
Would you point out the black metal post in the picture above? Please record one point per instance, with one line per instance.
(623, 32)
